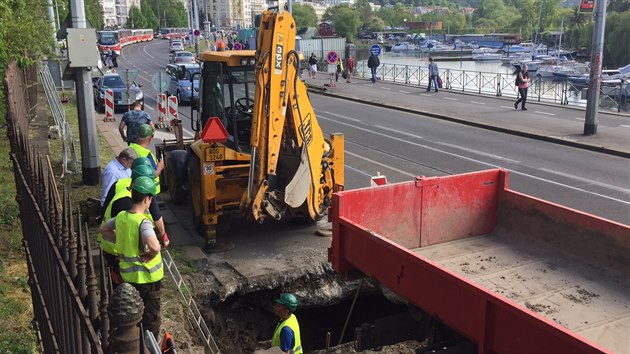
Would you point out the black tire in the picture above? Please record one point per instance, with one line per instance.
(179, 98)
(195, 192)
(176, 175)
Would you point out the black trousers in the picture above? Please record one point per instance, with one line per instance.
(522, 92)
(151, 296)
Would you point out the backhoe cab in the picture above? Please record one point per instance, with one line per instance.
(261, 151)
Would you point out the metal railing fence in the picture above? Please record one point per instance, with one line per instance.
(561, 92)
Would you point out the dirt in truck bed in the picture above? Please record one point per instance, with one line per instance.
(555, 285)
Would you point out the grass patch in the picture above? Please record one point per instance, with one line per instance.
(185, 265)
(16, 311)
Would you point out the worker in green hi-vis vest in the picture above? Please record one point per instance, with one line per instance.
(287, 333)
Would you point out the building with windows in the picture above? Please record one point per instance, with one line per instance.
(122, 10)
(109, 13)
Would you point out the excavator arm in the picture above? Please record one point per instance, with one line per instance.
(294, 169)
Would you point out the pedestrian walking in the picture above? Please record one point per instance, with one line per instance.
(132, 120)
(340, 70)
(119, 167)
(312, 64)
(373, 63)
(139, 251)
(434, 72)
(114, 59)
(522, 82)
(351, 63)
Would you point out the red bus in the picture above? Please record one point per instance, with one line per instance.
(114, 40)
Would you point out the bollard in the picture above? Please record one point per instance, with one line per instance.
(161, 103)
(171, 111)
(109, 106)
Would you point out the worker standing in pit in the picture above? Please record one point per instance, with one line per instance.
(287, 333)
(145, 136)
(139, 250)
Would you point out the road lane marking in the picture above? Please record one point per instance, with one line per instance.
(475, 102)
(149, 107)
(506, 107)
(398, 131)
(546, 113)
(481, 162)
(478, 152)
(403, 91)
(342, 116)
(385, 88)
(585, 180)
(579, 118)
(449, 98)
(357, 170)
(625, 126)
(426, 94)
(380, 164)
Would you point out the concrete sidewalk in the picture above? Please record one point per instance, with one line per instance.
(549, 122)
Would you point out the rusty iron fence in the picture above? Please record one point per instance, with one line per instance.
(70, 298)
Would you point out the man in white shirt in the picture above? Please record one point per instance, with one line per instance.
(119, 167)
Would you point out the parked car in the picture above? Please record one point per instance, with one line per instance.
(182, 57)
(123, 96)
(177, 46)
(179, 83)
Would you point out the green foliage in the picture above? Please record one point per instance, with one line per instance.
(149, 15)
(364, 9)
(171, 13)
(94, 13)
(346, 22)
(304, 15)
(617, 45)
(136, 18)
(375, 24)
(394, 16)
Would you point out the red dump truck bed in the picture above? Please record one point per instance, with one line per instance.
(513, 273)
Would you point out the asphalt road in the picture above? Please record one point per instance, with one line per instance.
(403, 145)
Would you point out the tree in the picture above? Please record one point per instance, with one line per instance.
(304, 15)
(330, 11)
(364, 9)
(26, 30)
(149, 15)
(617, 46)
(346, 22)
(136, 19)
(375, 24)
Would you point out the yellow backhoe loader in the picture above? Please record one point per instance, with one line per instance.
(261, 151)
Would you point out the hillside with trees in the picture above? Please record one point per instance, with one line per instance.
(535, 20)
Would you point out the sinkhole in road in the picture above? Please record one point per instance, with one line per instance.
(244, 323)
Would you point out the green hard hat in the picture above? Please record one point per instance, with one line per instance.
(289, 300)
(141, 161)
(145, 131)
(142, 170)
(144, 185)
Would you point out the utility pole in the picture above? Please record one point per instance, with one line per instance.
(595, 79)
(51, 15)
(196, 24)
(91, 170)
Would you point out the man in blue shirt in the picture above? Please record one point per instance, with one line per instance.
(287, 333)
(133, 119)
(117, 168)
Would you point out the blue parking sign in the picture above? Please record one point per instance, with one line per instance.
(375, 49)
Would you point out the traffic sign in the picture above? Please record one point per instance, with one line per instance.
(375, 49)
(159, 81)
(331, 57)
(196, 33)
(237, 46)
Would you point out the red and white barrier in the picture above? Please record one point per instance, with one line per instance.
(172, 110)
(109, 106)
(161, 101)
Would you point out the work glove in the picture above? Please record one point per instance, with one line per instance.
(164, 242)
